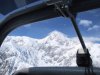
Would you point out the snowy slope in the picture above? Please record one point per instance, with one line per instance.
(56, 49)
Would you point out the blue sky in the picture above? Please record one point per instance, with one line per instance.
(88, 22)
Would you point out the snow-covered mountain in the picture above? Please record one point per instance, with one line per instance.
(56, 49)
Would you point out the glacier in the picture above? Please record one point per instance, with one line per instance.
(56, 49)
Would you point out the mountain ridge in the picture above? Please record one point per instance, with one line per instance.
(57, 49)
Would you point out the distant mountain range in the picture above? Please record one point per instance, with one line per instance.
(56, 49)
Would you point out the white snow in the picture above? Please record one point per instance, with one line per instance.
(56, 49)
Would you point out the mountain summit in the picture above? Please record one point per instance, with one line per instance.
(56, 49)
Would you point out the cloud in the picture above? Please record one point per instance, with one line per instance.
(95, 27)
(85, 23)
(89, 39)
(27, 25)
(93, 39)
(89, 24)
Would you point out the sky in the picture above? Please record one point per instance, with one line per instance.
(88, 23)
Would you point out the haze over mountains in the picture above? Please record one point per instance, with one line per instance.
(56, 49)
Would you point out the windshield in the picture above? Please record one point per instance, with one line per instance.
(51, 42)
(7, 6)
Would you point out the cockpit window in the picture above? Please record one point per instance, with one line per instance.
(51, 42)
(7, 6)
